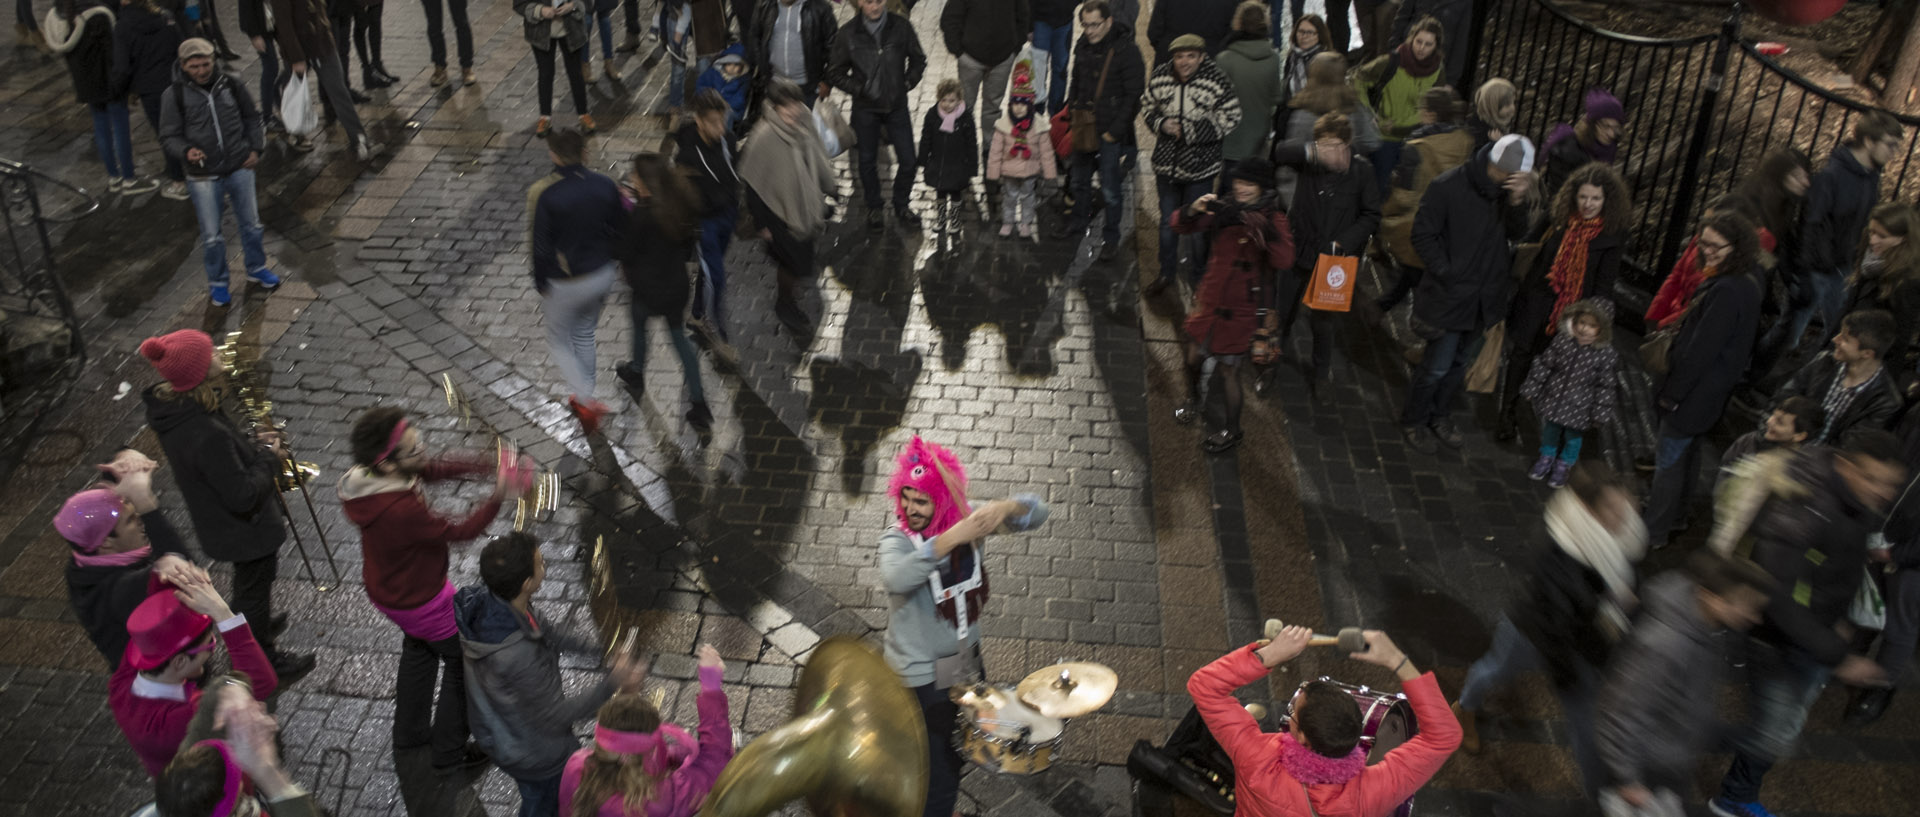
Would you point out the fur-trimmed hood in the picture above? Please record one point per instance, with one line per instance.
(1587, 307)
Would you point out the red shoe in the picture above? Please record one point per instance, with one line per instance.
(589, 413)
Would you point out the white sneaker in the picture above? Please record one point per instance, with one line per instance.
(135, 187)
(175, 190)
(113, 184)
(364, 148)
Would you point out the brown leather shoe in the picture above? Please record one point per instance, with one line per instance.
(587, 124)
(467, 77)
(439, 77)
(543, 127)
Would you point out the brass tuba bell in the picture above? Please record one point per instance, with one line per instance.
(856, 747)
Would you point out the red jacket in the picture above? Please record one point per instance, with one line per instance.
(1263, 788)
(156, 726)
(1225, 309)
(403, 542)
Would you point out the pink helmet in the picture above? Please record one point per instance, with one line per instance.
(88, 518)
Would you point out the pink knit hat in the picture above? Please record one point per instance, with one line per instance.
(181, 357)
(88, 517)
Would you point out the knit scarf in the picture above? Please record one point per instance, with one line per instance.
(787, 166)
(1415, 67)
(1314, 769)
(1569, 273)
(1019, 149)
(949, 120)
(121, 559)
(1611, 555)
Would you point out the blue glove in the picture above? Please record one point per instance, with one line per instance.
(1035, 516)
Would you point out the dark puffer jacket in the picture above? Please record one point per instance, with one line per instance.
(950, 160)
(1211, 19)
(1570, 384)
(988, 31)
(1119, 97)
(519, 712)
(1329, 207)
(226, 479)
(655, 264)
(1874, 408)
(219, 118)
(1711, 352)
(1463, 231)
(877, 73)
(87, 44)
(1814, 542)
(146, 47)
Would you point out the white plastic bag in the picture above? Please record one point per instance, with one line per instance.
(296, 107)
(834, 133)
(1042, 70)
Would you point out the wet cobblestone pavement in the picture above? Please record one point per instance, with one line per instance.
(1040, 365)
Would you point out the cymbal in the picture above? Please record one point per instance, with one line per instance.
(1069, 690)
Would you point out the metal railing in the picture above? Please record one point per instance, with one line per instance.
(32, 300)
(1701, 111)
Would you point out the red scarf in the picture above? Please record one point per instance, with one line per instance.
(1020, 149)
(1413, 66)
(1569, 273)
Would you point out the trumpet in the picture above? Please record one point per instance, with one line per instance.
(294, 474)
(543, 495)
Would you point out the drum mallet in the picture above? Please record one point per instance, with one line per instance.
(1350, 639)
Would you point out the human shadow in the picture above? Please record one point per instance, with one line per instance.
(862, 393)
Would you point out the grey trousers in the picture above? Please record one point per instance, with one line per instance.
(973, 74)
(572, 311)
(1017, 199)
(333, 88)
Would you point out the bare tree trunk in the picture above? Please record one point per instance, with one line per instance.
(1899, 93)
(1888, 32)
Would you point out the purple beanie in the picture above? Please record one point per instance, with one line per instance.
(1603, 105)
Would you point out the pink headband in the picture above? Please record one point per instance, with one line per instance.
(393, 440)
(230, 794)
(662, 749)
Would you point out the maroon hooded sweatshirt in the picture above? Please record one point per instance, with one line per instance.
(403, 542)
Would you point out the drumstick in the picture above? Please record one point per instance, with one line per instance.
(1350, 639)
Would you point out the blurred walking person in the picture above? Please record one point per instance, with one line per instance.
(653, 250)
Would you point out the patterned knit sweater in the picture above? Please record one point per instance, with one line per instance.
(1207, 109)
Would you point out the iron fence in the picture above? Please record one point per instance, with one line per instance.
(39, 331)
(1701, 111)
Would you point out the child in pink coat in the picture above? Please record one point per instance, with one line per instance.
(1020, 154)
(640, 767)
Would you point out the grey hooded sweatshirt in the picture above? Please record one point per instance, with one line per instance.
(1656, 708)
(516, 707)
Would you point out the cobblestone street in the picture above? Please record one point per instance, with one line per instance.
(1041, 366)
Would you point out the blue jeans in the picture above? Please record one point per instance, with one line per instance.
(677, 80)
(605, 22)
(1436, 383)
(1674, 463)
(896, 126)
(1511, 655)
(269, 78)
(1173, 196)
(1057, 42)
(113, 138)
(1113, 159)
(1558, 440)
(437, 37)
(1782, 684)
(209, 197)
(1385, 159)
(1827, 295)
(716, 232)
(539, 798)
(682, 347)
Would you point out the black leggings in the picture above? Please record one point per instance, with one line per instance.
(544, 56)
(364, 28)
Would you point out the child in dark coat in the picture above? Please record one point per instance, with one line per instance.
(950, 152)
(1571, 387)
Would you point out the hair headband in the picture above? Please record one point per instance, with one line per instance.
(660, 750)
(230, 788)
(393, 440)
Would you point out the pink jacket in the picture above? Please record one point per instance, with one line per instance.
(684, 789)
(1041, 163)
(1263, 788)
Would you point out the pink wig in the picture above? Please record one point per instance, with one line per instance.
(930, 469)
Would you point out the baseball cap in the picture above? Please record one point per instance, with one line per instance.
(1513, 153)
(196, 47)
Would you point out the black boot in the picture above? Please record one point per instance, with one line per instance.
(1868, 706)
(373, 79)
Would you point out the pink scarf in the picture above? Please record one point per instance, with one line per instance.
(948, 120)
(122, 559)
(1312, 768)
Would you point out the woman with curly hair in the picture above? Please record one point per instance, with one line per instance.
(641, 767)
(1579, 259)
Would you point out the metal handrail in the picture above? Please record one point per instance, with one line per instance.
(1816, 89)
(93, 204)
(1623, 37)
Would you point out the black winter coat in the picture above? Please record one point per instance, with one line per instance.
(146, 47)
(1874, 408)
(1563, 158)
(816, 39)
(1119, 102)
(1904, 303)
(655, 264)
(1056, 13)
(989, 31)
(876, 73)
(1463, 231)
(253, 18)
(1559, 615)
(104, 597)
(1533, 304)
(1834, 222)
(89, 53)
(1329, 207)
(710, 166)
(951, 160)
(226, 479)
(1817, 540)
(219, 118)
(1711, 352)
(1211, 19)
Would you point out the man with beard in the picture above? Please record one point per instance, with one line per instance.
(404, 545)
(171, 637)
(930, 563)
(124, 550)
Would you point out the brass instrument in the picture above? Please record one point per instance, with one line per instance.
(545, 494)
(294, 474)
(856, 747)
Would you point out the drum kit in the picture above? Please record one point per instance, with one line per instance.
(1018, 730)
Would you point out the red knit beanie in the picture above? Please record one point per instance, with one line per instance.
(181, 357)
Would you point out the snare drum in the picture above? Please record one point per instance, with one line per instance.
(1386, 722)
(998, 732)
